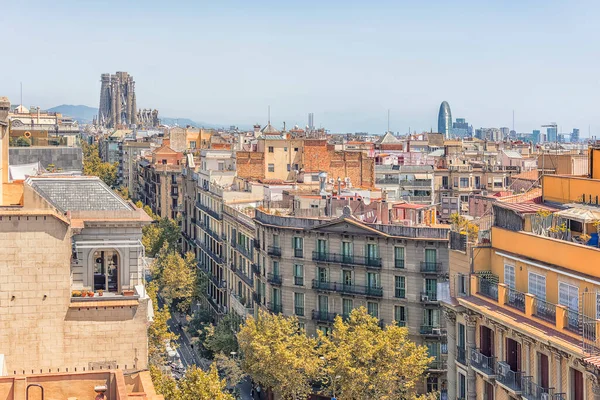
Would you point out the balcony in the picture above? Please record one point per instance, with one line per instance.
(274, 251)
(244, 251)
(429, 296)
(532, 391)
(257, 244)
(274, 279)
(461, 355)
(256, 269)
(212, 233)
(488, 289)
(544, 310)
(299, 280)
(218, 259)
(217, 308)
(247, 279)
(299, 253)
(508, 379)
(257, 298)
(275, 308)
(430, 330)
(374, 262)
(431, 267)
(574, 321)
(415, 183)
(387, 181)
(240, 305)
(369, 291)
(515, 299)
(220, 283)
(299, 311)
(323, 316)
(209, 211)
(438, 365)
(483, 364)
(398, 263)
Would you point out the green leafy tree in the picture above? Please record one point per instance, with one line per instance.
(123, 191)
(364, 361)
(176, 278)
(156, 235)
(231, 369)
(158, 331)
(221, 338)
(93, 165)
(23, 141)
(277, 354)
(195, 385)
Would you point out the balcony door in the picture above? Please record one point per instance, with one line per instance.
(486, 341)
(543, 371)
(430, 257)
(513, 354)
(106, 270)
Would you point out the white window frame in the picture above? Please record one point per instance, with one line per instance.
(535, 286)
(568, 301)
(508, 280)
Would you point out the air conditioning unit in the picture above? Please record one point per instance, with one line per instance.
(476, 357)
(484, 193)
(424, 297)
(436, 331)
(503, 369)
(545, 396)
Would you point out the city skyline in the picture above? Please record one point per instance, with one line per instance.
(347, 65)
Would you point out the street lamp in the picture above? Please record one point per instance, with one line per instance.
(331, 379)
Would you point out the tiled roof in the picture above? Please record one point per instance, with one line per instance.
(78, 194)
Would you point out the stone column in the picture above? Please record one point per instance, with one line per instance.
(595, 386)
(471, 379)
(556, 363)
(451, 337)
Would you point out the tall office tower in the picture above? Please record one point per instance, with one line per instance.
(461, 128)
(117, 100)
(537, 138)
(311, 121)
(445, 119)
(575, 135)
(551, 134)
(504, 132)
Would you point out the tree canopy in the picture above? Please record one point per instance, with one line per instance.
(93, 165)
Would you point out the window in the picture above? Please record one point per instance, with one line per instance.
(432, 384)
(271, 167)
(276, 296)
(373, 280)
(568, 296)
(347, 306)
(276, 268)
(461, 336)
(462, 284)
(275, 240)
(299, 304)
(464, 182)
(298, 274)
(462, 386)
(323, 274)
(323, 304)
(537, 285)
(347, 277)
(271, 149)
(577, 385)
(321, 246)
(399, 257)
(295, 149)
(315, 178)
(509, 276)
(324, 329)
(297, 245)
(371, 251)
(221, 166)
(289, 167)
(347, 251)
(431, 318)
(400, 315)
(400, 287)
(373, 309)
(431, 289)
(285, 149)
(597, 305)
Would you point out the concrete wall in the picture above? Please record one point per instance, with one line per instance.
(41, 330)
(65, 158)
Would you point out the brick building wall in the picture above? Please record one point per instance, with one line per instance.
(41, 330)
(250, 165)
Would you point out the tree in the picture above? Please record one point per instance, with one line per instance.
(157, 234)
(176, 277)
(23, 141)
(123, 191)
(364, 361)
(221, 338)
(93, 165)
(195, 385)
(158, 331)
(277, 354)
(231, 369)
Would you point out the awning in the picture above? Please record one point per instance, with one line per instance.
(422, 176)
(579, 214)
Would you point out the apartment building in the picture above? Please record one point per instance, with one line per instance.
(318, 268)
(524, 313)
(412, 183)
(159, 181)
(131, 152)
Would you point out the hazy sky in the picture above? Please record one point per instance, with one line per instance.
(347, 61)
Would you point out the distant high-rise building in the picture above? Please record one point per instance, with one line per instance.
(575, 135)
(445, 119)
(461, 128)
(311, 121)
(536, 136)
(551, 134)
(504, 132)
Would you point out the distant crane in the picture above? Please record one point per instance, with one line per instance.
(555, 126)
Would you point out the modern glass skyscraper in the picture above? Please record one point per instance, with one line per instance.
(445, 119)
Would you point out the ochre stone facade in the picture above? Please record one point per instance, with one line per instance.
(41, 330)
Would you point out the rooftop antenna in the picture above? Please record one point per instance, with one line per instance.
(513, 121)
(269, 117)
(21, 94)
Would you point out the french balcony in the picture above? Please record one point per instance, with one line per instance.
(299, 280)
(209, 211)
(483, 364)
(274, 279)
(244, 251)
(275, 308)
(335, 258)
(256, 269)
(218, 259)
(431, 330)
(274, 251)
(398, 263)
(428, 267)
(247, 279)
(508, 379)
(212, 233)
(323, 316)
(299, 253)
(369, 291)
(429, 296)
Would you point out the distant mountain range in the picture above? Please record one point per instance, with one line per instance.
(85, 115)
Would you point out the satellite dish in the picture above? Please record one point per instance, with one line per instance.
(367, 200)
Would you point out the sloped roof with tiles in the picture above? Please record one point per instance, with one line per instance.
(78, 194)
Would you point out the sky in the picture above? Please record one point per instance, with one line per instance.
(348, 62)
